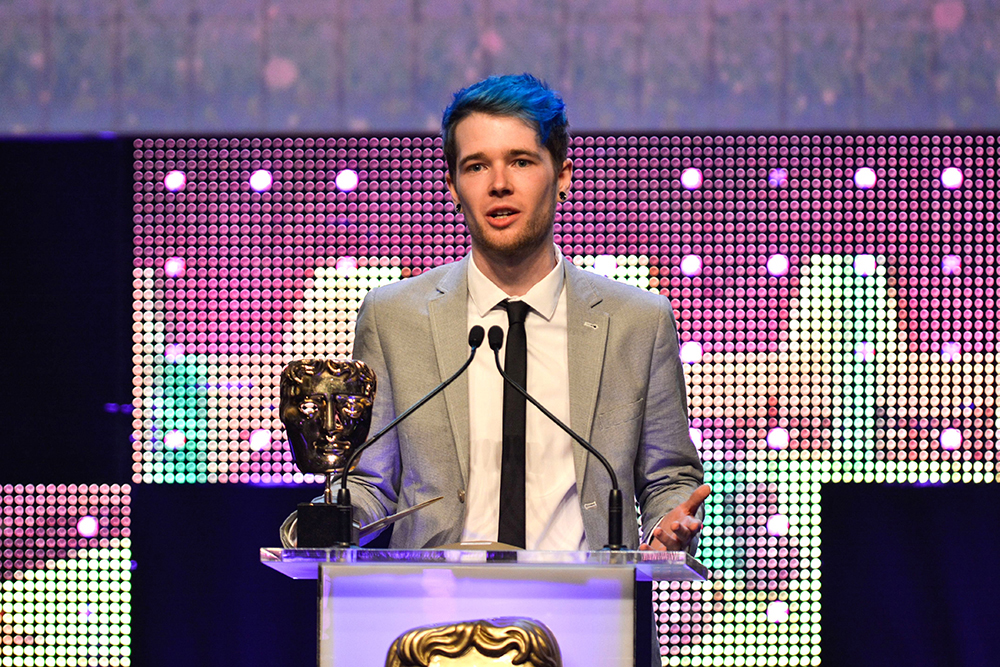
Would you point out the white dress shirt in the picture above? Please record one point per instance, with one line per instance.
(553, 520)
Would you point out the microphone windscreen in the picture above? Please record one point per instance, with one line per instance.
(476, 336)
(496, 338)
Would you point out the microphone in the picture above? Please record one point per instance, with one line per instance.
(475, 338)
(345, 511)
(496, 339)
(615, 495)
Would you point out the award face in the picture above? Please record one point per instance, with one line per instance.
(488, 642)
(326, 407)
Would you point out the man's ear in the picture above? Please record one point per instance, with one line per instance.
(451, 187)
(565, 176)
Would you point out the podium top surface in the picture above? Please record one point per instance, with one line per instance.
(648, 565)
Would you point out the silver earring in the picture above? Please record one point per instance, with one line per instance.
(563, 196)
(458, 208)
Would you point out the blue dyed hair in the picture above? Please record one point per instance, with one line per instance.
(519, 95)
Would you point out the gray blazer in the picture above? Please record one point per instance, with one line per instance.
(627, 397)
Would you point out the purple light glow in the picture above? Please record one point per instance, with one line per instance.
(777, 438)
(606, 265)
(174, 439)
(347, 180)
(173, 353)
(691, 265)
(951, 351)
(260, 439)
(777, 265)
(952, 178)
(951, 438)
(864, 265)
(695, 437)
(864, 351)
(174, 180)
(691, 352)
(951, 265)
(174, 267)
(347, 266)
(691, 178)
(777, 177)
(261, 180)
(865, 178)
(777, 525)
(87, 526)
(777, 611)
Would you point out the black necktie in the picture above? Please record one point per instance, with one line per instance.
(512, 462)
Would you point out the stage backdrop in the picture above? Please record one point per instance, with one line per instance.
(835, 294)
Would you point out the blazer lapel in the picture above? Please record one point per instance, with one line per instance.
(449, 317)
(587, 334)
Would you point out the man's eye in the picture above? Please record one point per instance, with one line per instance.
(474, 168)
(522, 162)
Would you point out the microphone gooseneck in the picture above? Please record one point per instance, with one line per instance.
(615, 504)
(476, 336)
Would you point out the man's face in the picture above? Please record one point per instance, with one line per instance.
(507, 184)
(326, 409)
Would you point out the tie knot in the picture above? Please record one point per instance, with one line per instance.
(516, 311)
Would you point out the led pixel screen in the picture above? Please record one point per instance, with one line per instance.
(65, 575)
(835, 294)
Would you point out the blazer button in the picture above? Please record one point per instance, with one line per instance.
(461, 495)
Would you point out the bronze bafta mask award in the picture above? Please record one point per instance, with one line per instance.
(490, 641)
(326, 408)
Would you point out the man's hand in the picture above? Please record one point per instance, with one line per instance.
(680, 525)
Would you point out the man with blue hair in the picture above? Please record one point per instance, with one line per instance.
(602, 356)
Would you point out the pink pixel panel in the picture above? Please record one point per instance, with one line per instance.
(835, 297)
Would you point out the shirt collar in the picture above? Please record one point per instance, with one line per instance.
(543, 297)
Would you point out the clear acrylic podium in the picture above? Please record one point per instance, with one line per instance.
(598, 604)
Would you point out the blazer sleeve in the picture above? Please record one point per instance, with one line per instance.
(667, 466)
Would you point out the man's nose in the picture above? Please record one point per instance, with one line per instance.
(501, 183)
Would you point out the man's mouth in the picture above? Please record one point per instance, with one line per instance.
(501, 213)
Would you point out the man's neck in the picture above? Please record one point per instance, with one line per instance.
(515, 276)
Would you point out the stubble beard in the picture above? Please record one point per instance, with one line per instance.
(509, 248)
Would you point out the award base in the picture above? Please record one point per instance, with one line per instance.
(324, 526)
